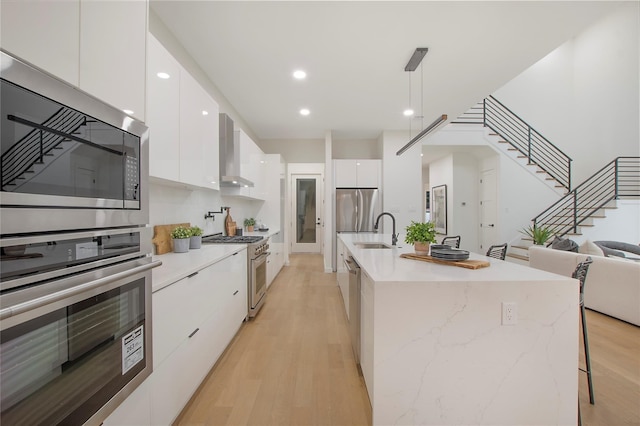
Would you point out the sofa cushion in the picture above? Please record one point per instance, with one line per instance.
(564, 244)
(589, 247)
(616, 248)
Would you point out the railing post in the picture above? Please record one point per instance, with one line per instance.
(529, 143)
(484, 112)
(615, 168)
(575, 212)
(569, 175)
(41, 148)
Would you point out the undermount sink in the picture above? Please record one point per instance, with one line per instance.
(372, 245)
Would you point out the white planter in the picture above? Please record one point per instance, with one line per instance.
(181, 245)
(195, 242)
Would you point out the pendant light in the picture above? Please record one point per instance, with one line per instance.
(412, 65)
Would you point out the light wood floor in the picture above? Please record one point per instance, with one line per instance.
(293, 364)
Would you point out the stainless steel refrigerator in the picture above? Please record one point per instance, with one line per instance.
(356, 209)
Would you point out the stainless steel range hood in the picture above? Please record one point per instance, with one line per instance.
(230, 173)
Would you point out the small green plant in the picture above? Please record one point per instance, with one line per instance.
(195, 231)
(421, 232)
(249, 222)
(181, 232)
(539, 234)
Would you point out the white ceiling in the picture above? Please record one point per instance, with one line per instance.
(355, 52)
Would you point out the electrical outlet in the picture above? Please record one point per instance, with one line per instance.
(509, 313)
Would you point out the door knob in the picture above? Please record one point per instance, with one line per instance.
(491, 225)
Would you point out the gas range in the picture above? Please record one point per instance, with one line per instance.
(235, 239)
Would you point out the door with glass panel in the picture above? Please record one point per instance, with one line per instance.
(306, 214)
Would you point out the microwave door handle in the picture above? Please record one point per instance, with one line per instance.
(61, 295)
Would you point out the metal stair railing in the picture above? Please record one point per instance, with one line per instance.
(619, 179)
(525, 139)
(528, 141)
(38, 143)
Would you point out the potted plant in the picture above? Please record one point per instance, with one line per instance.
(420, 234)
(195, 242)
(539, 234)
(181, 238)
(249, 224)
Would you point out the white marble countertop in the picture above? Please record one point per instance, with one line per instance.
(176, 266)
(386, 265)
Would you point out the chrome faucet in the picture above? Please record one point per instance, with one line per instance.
(394, 236)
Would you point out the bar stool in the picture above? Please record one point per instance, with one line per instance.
(497, 251)
(452, 241)
(581, 275)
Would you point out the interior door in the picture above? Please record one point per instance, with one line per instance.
(306, 214)
(488, 210)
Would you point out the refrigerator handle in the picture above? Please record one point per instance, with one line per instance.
(359, 210)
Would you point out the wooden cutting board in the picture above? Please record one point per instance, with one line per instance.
(469, 264)
(162, 237)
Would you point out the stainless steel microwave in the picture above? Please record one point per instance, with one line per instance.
(68, 160)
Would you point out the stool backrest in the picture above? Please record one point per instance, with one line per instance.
(581, 274)
(498, 251)
(452, 241)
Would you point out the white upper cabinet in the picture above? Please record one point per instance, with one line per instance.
(112, 52)
(44, 33)
(183, 123)
(198, 135)
(357, 173)
(98, 46)
(163, 112)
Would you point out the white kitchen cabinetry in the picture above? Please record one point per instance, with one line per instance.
(135, 410)
(113, 56)
(357, 173)
(163, 112)
(44, 33)
(342, 274)
(98, 46)
(366, 330)
(199, 153)
(194, 319)
(276, 259)
(183, 141)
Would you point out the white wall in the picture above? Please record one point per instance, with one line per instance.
(401, 181)
(296, 151)
(176, 204)
(585, 96)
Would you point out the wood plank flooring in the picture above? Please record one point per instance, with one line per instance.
(293, 364)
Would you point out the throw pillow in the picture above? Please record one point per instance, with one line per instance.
(564, 244)
(589, 247)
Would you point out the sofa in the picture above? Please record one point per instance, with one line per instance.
(612, 286)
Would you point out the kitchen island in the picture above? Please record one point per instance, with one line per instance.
(434, 349)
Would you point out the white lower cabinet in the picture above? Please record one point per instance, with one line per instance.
(342, 274)
(275, 260)
(194, 319)
(366, 331)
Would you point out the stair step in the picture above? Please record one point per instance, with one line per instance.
(520, 247)
(517, 256)
(501, 141)
(29, 171)
(512, 149)
(48, 155)
(522, 156)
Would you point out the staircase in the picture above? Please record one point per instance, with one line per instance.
(40, 147)
(513, 136)
(588, 202)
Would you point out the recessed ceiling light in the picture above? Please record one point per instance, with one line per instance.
(408, 112)
(127, 111)
(246, 186)
(235, 182)
(305, 111)
(163, 75)
(205, 112)
(299, 75)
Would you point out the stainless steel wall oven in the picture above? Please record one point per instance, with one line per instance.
(75, 252)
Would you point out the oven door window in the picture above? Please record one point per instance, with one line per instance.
(51, 149)
(64, 366)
